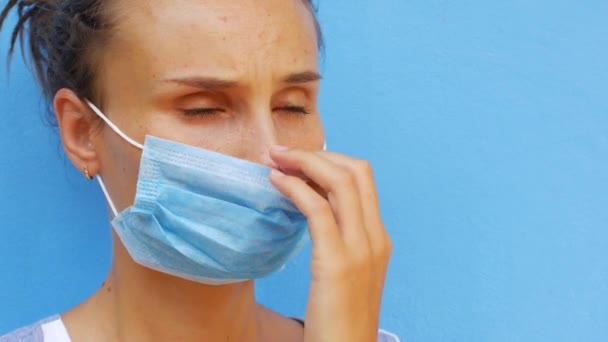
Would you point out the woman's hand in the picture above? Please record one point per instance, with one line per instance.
(351, 247)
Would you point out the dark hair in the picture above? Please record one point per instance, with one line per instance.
(62, 36)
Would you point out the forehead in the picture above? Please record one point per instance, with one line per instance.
(225, 35)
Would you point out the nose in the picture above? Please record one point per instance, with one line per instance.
(261, 136)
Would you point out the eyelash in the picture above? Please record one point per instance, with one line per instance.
(212, 111)
(202, 111)
(295, 110)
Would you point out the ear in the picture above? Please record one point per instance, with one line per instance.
(77, 126)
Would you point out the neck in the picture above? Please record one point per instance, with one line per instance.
(144, 305)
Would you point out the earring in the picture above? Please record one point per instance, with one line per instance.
(86, 172)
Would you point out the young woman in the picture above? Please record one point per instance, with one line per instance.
(199, 119)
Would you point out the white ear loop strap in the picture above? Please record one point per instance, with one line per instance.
(113, 126)
(105, 192)
(122, 135)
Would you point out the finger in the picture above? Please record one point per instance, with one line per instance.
(364, 178)
(340, 187)
(310, 183)
(322, 226)
(364, 175)
(379, 240)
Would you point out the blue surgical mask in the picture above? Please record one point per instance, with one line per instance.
(205, 216)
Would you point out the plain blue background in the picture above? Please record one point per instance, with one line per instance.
(487, 123)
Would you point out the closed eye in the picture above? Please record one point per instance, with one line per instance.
(294, 109)
(214, 111)
(202, 111)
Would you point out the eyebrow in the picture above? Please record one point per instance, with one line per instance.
(207, 83)
(212, 83)
(302, 77)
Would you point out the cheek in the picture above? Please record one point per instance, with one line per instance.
(119, 167)
(216, 133)
(306, 134)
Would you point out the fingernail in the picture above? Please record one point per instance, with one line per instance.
(279, 148)
(276, 173)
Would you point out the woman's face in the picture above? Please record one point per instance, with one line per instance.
(234, 76)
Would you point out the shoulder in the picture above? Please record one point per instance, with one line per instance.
(295, 326)
(30, 333)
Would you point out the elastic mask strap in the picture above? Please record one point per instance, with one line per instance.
(122, 135)
(325, 146)
(113, 126)
(105, 192)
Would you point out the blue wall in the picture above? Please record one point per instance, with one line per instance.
(487, 122)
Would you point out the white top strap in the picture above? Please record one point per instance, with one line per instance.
(55, 332)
